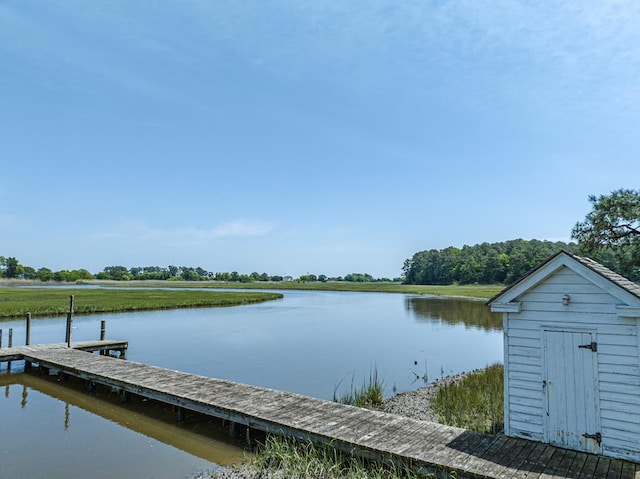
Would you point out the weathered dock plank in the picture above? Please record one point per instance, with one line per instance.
(369, 433)
(535, 461)
(589, 467)
(517, 459)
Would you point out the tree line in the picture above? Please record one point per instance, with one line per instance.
(486, 263)
(609, 234)
(10, 267)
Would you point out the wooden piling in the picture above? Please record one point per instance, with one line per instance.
(69, 322)
(27, 340)
(0, 338)
(103, 332)
(10, 342)
(182, 414)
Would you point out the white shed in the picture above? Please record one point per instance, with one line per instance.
(572, 357)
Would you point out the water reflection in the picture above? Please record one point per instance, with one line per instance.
(451, 311)
(25, 397)
(203, 439)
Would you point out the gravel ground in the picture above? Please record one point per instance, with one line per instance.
(413, 404)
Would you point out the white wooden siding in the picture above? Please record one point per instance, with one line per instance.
(590, 308)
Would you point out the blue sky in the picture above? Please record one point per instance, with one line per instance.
(307, 136)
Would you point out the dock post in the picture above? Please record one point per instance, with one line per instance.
(232, 429)
(103, 331)
(10, 342)
(0, 338)
(182, 414)
(27, 340)
(69, 322)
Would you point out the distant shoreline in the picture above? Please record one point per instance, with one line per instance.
(454, 291)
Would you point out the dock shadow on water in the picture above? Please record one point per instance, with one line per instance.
(453, 312)
(152, 444)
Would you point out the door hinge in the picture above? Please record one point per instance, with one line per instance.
(593, 346)
(596, 437)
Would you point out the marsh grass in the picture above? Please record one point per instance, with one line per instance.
(290, 458)
(471, 291)
(475, 403)
(369, 395)
(16, 302)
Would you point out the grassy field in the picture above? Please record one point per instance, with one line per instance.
(471, 291)
(16, 302)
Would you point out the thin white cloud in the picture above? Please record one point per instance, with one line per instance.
(139, 232)
(241, 228)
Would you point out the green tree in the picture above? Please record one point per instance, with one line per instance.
(44, 274)
(308, 278)
(220, 276)
(359, 278)
(119, 273)
(203, 273)
(613, 226)
(29, 273)
(189, 274)
(13, 268)
(173, 270)
(81, 274)
(136, 272)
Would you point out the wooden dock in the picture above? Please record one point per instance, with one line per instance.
(105, 346)
(368, 433)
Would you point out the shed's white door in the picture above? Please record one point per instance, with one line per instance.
(570, 385)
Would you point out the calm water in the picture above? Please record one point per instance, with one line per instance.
(312, 343)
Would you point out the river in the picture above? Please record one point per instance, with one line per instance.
(309, 342)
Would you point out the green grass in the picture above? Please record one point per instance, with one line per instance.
(473, 291)
(475, 403)
(16, 302)
(305, 460)
(369, 395)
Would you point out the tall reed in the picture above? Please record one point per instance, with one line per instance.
(369, 395)
(475, 402)
(306, 460)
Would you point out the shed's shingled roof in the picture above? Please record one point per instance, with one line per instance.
(621, 281)
(594, 266)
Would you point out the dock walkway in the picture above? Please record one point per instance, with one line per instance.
(369, 433)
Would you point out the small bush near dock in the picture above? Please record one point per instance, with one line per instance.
(475, 402)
